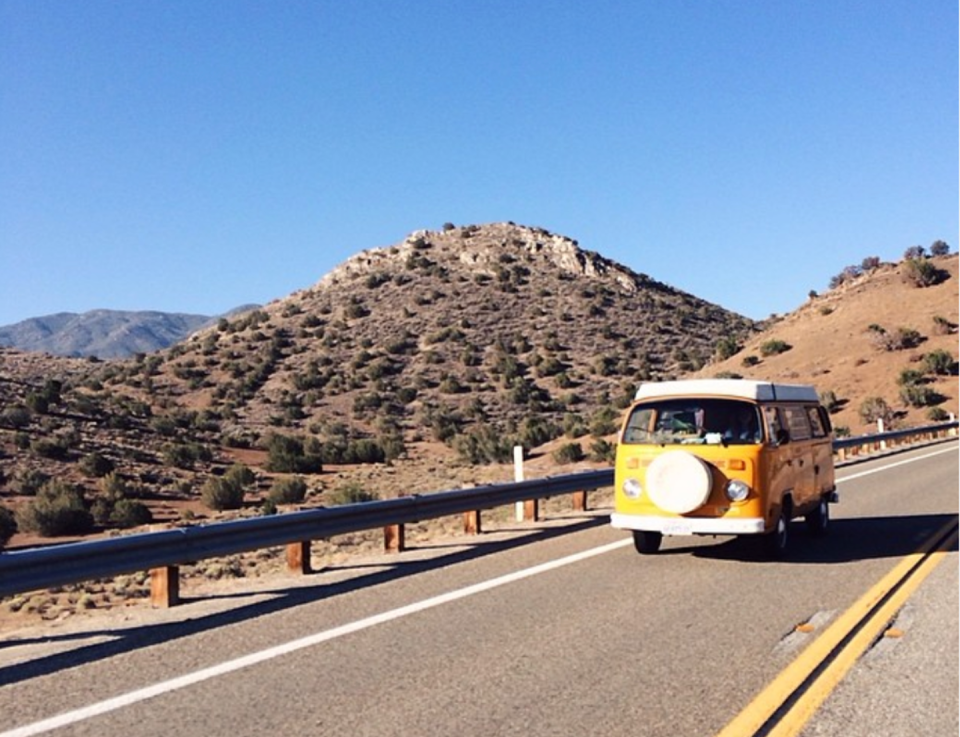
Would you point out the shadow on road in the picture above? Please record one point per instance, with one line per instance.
(847, 540)
(136, 637)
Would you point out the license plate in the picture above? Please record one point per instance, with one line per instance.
(678, 527)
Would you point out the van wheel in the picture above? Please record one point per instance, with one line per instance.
(774, 544)
(819, 519)
(647, 542)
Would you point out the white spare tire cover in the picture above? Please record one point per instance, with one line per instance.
(678, 482)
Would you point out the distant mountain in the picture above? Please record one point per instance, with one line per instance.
(105, 333)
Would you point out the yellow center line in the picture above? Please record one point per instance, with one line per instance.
(776, 694)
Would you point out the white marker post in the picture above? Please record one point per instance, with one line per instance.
(518, 476)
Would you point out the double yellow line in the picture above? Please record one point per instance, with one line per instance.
(785, 706)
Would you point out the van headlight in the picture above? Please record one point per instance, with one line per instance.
(631, 488)
(737, 490)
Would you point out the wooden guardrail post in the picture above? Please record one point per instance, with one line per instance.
(580, 501)
(165, 586)
(394, 538)
(298, 557)
(471, 523)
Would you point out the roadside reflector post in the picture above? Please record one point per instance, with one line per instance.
(518, 477)
(471, 523)
(883, 443)
(165, 586)
(394, 538)
(298, 557)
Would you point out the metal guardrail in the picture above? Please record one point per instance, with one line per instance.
(162, 552)
(882, 440)
(33, 569)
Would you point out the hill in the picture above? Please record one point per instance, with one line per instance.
(856, 341)
(417, 367)
(103, 333)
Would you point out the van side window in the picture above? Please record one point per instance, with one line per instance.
(774, 426)
(816, 422)
(797, 423)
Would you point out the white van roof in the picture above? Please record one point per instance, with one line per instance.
(739, 388)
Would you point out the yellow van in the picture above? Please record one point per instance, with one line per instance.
(723, 457)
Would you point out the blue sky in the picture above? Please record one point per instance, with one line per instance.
(192, 156)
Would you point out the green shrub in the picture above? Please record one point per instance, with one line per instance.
(574, 426)
(606, 421)
(727, 347)
(130, 513)
(603, 451)
(30, 481)
(918, 395)
(569, 453)
(774, 347)
(900, 339)
(290, 490)
(351, 493)
(909, 377)
(921, 272)
(16, 417)
(241, 475)
(219, 493)
(484, 444)
(940, 363)
(95, 465)
(938, 414)
(942, 326)
(749, 361)
(8, 526)
(287, 454)
(875, 408)
(58, 509)
(52, 448)
(535, 431)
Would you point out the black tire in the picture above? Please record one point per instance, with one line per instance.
(818, 521)
(647, 542)
(774, 544)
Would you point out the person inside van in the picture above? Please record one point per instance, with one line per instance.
(743, 426)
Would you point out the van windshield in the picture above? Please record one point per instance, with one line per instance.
(693, 421)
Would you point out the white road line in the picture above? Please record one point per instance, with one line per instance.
(174, 684)
(884, 468)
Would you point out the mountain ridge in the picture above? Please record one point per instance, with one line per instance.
(105, 333)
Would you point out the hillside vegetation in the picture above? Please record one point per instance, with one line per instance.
(417, 367)
(874, 336)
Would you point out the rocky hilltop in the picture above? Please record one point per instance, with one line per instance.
(495, 324)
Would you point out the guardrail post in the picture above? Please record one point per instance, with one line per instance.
(165, 586)
(471, 523)
(580, 501)
(298, 557)
(531, 510)
(394, 538)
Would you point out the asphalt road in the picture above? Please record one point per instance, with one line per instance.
(571, 634)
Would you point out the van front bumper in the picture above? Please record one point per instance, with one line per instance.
(688, 525)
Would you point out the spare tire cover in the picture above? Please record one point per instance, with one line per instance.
(678, 482)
